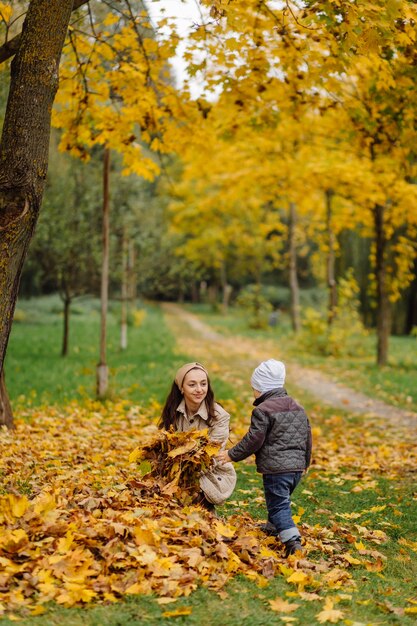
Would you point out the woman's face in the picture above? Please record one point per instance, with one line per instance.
(194, 387)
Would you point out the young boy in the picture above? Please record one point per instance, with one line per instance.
(280, 437)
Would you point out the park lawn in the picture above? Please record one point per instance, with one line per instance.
(349, 489)
(37, 374)
(395, 383)
(351, 503)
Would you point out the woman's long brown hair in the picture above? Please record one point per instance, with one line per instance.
(169, 416)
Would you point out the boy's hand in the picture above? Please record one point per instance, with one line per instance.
(223, 457)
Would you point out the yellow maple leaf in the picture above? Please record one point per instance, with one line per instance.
(44, 503)
(298, 577)
(135, 455)
(166, 600)
(266, 552)
(351, 559)
(225, 530)
(329, 615)
(181, 611)
(136, 588)
(283, 606)
(38, 610)
(186, 447)
(285, 570)
(310, 597)
(6, 11)
(65, 543)
(18, 504)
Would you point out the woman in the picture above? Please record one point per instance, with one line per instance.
(190, 405)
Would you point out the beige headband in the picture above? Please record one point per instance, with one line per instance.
(183, 371)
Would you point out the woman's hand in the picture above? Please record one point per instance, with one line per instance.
(223, 457)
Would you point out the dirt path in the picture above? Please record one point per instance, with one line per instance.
(231, 356)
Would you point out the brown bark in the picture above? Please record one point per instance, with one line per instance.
(331, 257)
(383, 304)
(25, 142)
(10, 48)
(102, 369)
(6, 414)
(293, 277)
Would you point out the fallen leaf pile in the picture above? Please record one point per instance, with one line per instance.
(176, 461)
(79, 522)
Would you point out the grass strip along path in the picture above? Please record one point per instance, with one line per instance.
(79, 527)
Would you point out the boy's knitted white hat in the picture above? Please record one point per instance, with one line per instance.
(268, 375)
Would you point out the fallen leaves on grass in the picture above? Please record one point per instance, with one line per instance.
(95, 506)
(79, 523)
(329, 614)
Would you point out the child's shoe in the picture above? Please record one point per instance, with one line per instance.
(292, 546)
(269, 529)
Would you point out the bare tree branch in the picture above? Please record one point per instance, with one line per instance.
(9, 49)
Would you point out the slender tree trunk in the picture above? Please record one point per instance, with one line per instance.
(411, 319)
(293, 277)
(212, 293)
(383, 303)
(181, 291)
(24, 150)
(226, 288)
(65, 337)
(102, 369)
(195, 296)
(124, 291)
(203, 291)
(331, 257)
(131, 272)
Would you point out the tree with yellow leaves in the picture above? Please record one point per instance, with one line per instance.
(355, 59)
(24, 150)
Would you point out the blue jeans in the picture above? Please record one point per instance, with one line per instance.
(278, 489)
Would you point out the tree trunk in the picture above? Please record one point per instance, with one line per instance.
(203, 291)
(24, 147)
(102, 369)
(6, 413)
(65, 337)
(195, 295)
(226, 288)
(124, 291)
(331, 256)
(212, 293)
(383, 322)
(181, 291)
(293, 277)
(411, 320)
(131, 272)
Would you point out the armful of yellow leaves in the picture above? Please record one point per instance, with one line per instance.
(176, 461)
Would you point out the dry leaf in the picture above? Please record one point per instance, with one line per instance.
(282, 606)
(178, 612)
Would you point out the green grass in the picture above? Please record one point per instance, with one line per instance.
(247, 604)
(36, 373)
(143, 373)
(395, 383)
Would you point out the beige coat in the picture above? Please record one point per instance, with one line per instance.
(219, 481)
